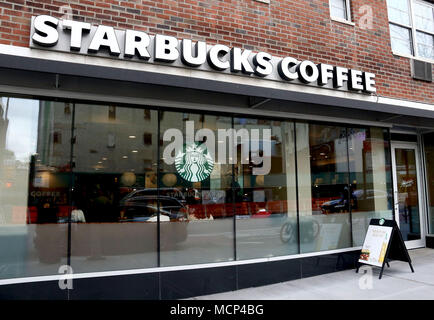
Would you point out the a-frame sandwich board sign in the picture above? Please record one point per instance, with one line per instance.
(383, 242)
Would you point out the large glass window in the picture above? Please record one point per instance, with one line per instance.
(344, 180)
(114, 221)
(195, 170)
(370, 178)
(145, 188)
(34, 186)
(324, 195)
(266, 214)
(411, 25)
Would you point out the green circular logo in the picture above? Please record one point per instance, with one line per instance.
(194, 163)
(382, 221)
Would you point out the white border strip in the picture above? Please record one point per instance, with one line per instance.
(168, 269)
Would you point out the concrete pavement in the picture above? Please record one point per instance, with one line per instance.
(397, 283)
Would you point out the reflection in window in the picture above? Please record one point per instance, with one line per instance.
(407, 194)
(34, 185)
(401, 39)
(398, 11)
(268, 224)
(425, 45)
(324, 195)
(122, 179)
(112, 168)
(424, 17)
(339, 9)
(207, 236)
(370, 178)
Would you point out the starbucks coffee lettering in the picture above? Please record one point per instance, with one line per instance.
(50, 33)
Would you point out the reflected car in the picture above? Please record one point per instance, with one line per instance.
(341, 204)
(370, 194)
(145, 209)
(334, 206)
(161, 192)
(261, 213)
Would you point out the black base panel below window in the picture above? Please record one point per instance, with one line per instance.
(318, 265)
(129, 287)
(430, 241)
(196, 282)
(261, 274)
(44, 290)
(183, 284)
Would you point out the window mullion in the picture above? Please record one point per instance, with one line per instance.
(423, 31)
(400, 25)
(348, 8)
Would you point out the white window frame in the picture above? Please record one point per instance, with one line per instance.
(348, 20)
(413, 30)
(414, 26)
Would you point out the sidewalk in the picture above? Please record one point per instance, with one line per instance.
(397, 283)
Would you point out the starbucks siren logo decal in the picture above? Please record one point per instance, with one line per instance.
(194, 164)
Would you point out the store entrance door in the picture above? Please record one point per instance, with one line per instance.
(409, 211)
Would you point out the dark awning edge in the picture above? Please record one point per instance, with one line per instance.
(111, 73)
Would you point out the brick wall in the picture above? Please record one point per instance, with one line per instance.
(299, 28)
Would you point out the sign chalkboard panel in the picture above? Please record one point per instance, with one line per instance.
(383, 242)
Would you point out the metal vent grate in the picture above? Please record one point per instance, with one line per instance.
(421, 70)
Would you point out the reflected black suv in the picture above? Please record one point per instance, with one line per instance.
(144, 208)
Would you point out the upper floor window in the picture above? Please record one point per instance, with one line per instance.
(340, 9)
(411, 27)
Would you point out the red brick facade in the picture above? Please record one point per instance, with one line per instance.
(300, 28)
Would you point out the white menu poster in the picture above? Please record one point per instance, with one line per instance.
(375, 245)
